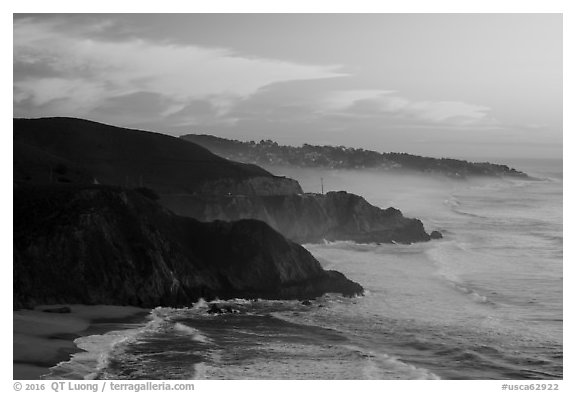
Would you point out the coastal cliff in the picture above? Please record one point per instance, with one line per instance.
(105, 245)
(307, 218)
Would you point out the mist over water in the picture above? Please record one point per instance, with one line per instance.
(485, 302)
(486, 299)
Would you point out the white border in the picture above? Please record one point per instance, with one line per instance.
(247, 6)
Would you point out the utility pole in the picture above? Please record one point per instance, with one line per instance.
(322, 184)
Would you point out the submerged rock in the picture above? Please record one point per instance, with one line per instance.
(436, 235)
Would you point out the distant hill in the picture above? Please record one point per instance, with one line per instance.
(69, 150)
(267, 152)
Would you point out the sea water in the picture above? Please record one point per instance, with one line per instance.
(485, 302)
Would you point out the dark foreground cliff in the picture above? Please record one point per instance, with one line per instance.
(308, 218)
(105, 245)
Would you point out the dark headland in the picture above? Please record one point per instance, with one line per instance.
(268, 152)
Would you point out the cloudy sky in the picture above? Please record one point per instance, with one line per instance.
(476, 86)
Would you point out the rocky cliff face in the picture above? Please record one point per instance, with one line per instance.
(102, 245)
(259, 185)
(307, 217)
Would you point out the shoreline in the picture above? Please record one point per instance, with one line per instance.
(41, 340)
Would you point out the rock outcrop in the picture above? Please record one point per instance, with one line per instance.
(105, 245)
(307, 217)
(434, 235)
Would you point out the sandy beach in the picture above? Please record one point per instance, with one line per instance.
(41, 339)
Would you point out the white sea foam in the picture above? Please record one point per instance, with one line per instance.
(452, 201)
(383, 366)
(445, 256)
(97, 350)
(95, 356)
(200, 370)
(195, 334)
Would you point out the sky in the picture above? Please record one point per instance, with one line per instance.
(472, 86)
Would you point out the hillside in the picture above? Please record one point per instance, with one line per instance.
(68, 150)
(267, 152)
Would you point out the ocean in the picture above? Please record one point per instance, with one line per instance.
(485, 302)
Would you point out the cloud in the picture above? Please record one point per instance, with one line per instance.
(64, 72)
(384, 104)
(79, 67)
(344, 99)
(454, 112)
